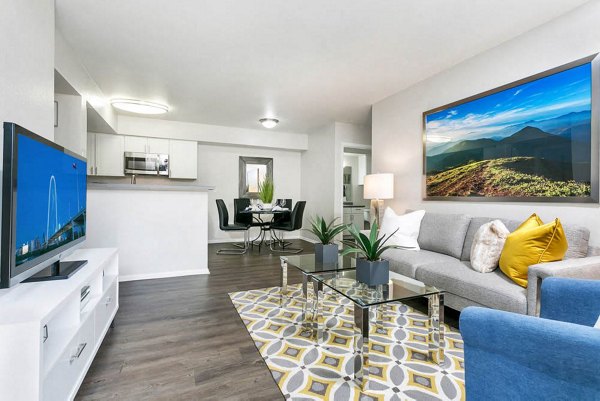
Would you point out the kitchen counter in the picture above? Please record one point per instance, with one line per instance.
(160, 230)
(149, 187)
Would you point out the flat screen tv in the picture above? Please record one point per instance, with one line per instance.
(43, 207)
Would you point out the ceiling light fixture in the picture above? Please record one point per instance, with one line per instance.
(269, 122)
(139, 106)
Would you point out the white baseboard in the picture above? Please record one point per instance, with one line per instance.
(151, 276)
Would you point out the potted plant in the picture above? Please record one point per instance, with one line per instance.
(370, 268)
(326, 252)
(265, 192)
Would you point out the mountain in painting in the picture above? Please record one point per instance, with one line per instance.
(564, 139)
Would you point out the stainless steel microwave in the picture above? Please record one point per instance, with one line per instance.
(146, 163)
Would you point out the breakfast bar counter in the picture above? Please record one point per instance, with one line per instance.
(160, 230)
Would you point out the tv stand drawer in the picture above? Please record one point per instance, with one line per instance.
(64, 374)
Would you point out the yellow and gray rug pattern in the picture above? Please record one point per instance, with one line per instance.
(304, 370)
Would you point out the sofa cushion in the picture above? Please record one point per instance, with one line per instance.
(406, 262)
(444, 233)
(493, 290)
(475, 224)
(578, 239)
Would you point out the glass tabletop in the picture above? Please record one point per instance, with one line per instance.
(399, 288)
(309, 265)
(265, 211)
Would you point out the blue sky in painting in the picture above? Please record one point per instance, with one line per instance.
(542, 99)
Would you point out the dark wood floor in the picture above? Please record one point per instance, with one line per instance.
(181, 338)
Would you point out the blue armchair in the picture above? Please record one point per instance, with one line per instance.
(518, 357)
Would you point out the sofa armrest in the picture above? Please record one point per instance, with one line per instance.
(514, 356)
(585, 268)
(571, 300)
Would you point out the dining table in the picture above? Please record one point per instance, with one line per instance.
(258, 214)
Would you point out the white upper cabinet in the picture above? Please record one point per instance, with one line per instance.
(109, 155)
(183, 159)
(137, 144)
(158, 145)
(91, 153)
(141, 144)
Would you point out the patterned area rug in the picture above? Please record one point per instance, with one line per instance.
(399, 367)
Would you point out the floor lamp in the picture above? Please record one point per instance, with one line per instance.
(377, 188)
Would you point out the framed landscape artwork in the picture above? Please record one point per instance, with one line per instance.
(532, 140)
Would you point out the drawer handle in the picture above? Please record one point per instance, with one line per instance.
(108, 301)
(45, 333)
(78, 353)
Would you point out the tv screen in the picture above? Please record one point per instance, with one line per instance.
(45, 186)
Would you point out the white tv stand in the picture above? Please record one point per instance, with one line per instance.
(47, 342)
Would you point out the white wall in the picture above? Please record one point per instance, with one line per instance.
(68, 65)
(318, 174)
(72, 123)
(346, 135)
(322, 167)
(397, 120)
(27, 65)
(211, 133)
(218, 165)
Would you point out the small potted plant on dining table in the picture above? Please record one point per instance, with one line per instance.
(266, 190)
(371, 269)
(326, 251)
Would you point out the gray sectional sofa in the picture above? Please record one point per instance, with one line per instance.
(443, 261)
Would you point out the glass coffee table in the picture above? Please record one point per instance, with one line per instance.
(308, 266)
(400, 288)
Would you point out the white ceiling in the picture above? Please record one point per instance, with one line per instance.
(306, 62)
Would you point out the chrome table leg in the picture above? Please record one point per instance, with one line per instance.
(361, 346)
(436, 328)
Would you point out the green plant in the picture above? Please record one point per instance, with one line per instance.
(265, 190)
(370, 247)
(326, 233)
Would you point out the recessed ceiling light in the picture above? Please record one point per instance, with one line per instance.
(269, 122)
(139, 106)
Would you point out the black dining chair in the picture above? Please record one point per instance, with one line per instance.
(293, 224)
(281, 218)
(225, 226)
(239, 205)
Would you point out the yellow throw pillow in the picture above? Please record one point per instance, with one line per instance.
(531, 243)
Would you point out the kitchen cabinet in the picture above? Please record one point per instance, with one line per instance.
(141, 144)
(158, 145)
(136, 144)
(105, 155)
(355, 216)
(183, 159)
(91, 153)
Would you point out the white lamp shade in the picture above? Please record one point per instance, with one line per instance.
(379, 186)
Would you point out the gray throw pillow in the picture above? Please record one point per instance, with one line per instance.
(443, 233)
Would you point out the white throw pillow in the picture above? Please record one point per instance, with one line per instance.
(408, 226)
(487, 246)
